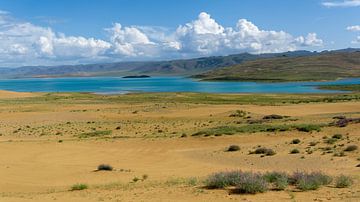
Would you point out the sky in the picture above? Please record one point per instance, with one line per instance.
(53, 32)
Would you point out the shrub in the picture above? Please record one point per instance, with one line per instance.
(233, 148)
(95, 134)
(351, 148)
(105, 167)
(308, 128)
(263, 150)
(294, 151)
(343, 181)
(295, 141)
(337, 136)
(77, 187)
(251, 183)
(331, 140)
(279, 180)
(273, 116)
(239, 113)
(310, 181)
(312, 144)
(222, 179)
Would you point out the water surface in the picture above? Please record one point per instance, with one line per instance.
(114, 85)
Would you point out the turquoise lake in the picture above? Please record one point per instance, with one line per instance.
(118, 85)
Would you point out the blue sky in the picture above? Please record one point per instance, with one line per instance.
(86, 31)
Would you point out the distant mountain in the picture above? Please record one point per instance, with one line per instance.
(327, 65)
(185, 67)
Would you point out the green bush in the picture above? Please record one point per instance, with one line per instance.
(308, 128)
(310, 181)
(251, 183)
(294, 151)
(233, 148)
(351, 148)
(77, 187)
(343, 181)
(337, 136)
(279, 180)
(295, 141)
(265, 151)
(331, 140)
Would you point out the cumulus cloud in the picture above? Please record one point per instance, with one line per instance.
(355, 28)
(206, 36)
(356, 41)
(344, 3)
(23, 43)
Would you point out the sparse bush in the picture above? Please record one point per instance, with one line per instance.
(312, 144)
(222, 179)
(351, 148)
(104, 167)
(310, 181)
(279, 180)
(135, 179)
(265, 151)
(251, 183)
(294, 151)
(343, 181)
(331, 140)
(273, 116)
(77, 187)
(239, 113)
(233, 148)
(295, 141)
(337, 136)
(308, 128)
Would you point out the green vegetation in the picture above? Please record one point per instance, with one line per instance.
(77, 187)
(295, 141)
(254, 128)
(351, 87)
(279, 180)
(343, 181)
(264, 151)
(310, 181)
(95, 134)
(251, 183)
(233, 148)
(351, 148)
(294, 151)
(328, 66)
(191, 98)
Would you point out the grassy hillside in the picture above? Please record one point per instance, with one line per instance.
(351, 87)
(325, 66)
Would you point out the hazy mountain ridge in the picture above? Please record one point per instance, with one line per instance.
(184, 67)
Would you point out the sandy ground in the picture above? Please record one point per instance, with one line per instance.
(36, 166)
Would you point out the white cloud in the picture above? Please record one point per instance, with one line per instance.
(23, 43)
(355, 28)
(343, 3)
(205, 36)
(356, 41)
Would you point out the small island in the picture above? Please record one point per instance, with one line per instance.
(136, 77)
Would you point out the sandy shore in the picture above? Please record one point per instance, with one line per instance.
(42, 152)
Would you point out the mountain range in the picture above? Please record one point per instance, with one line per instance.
(231, 67)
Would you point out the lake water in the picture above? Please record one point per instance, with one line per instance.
(115, 85)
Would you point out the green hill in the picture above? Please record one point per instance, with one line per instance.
(324, 66)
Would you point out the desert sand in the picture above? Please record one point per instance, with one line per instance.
(43, 149)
